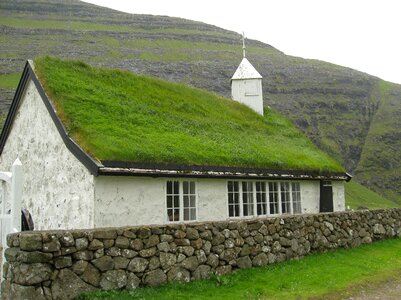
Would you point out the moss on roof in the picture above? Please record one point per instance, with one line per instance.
(116, 115)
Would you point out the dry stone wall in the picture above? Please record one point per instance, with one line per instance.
(63, 264)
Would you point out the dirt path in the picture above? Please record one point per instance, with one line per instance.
(390, 290)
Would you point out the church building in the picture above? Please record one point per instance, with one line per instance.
(155, 153)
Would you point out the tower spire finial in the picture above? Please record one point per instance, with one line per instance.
(243, 45)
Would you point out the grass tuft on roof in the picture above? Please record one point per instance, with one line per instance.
(116, 115)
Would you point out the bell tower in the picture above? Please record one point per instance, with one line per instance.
(246, 84)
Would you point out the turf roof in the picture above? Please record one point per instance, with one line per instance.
(116, 115)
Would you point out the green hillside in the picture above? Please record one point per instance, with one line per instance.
(358, 196)
(349, 114)
(116, 115)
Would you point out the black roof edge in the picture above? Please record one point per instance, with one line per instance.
(121, 168)
(75, 149)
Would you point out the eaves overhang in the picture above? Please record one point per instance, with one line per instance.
(117, 168)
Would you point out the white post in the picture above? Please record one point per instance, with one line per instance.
(16, 194)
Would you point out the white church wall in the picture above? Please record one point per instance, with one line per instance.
(58, 189)
(338, 196)
(124, 201)
(248, 92)
(310, 193)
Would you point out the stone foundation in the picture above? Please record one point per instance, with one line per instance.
(62, 264)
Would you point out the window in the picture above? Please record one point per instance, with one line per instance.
(261, 203)
(285, 198)
(273, 198)
(233, 199)
(181, 194)
(296, 198)
(189, 201)
(256, 198)
(247, 198)
(173, 201)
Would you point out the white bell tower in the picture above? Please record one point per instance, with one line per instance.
(246, 84)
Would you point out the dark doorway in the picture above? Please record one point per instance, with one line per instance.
(326, 196)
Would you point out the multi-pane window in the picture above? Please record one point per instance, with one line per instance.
(233, 199)
(285, 198)
(189, 200)
(261, 201)
(173, 200)
(181, 201)
(250, 198)
(273, 198)
(247, 198)
(296, 198)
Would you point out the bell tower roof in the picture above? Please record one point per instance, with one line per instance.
(246, 71)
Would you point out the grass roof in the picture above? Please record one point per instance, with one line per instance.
(116, 115)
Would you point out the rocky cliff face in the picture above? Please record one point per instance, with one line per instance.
(349, 114)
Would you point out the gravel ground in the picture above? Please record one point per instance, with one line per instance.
(390, 290)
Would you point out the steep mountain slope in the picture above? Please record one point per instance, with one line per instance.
(351, 115)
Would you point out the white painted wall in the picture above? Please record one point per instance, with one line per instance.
(124, 201)
(248, 92)
(58, 189)
(338, 196)
(310, 195)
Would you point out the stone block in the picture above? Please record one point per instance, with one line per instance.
(122, 242)
(152, 241)
(30, 241)
(138, 264)
(120, 262)
(83, 255)
(31, 274)
(95, 244)
(260, 260)
(91, 275)
(136, 244)
(178, 274)
(167, 260)
(105, 234)
(133, 281)
(63, 262)
(202, 272)
(155, 278)
(244, 262)
(104, 263)
(112, 280)
(11, 254)
(148, 252)
(192, 233)
(68, 285)
(67, 239)
(190, 263)
(81, 243)
(34, 257)
(52, 246)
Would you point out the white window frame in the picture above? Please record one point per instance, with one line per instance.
(267, 193)
(181, 200)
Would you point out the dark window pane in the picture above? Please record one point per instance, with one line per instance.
(169, 187)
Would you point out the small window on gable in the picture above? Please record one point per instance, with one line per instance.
(181, 201)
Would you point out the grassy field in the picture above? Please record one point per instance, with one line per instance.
(332, 275)
(116, 115)
(356, 195)
(9, 81)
